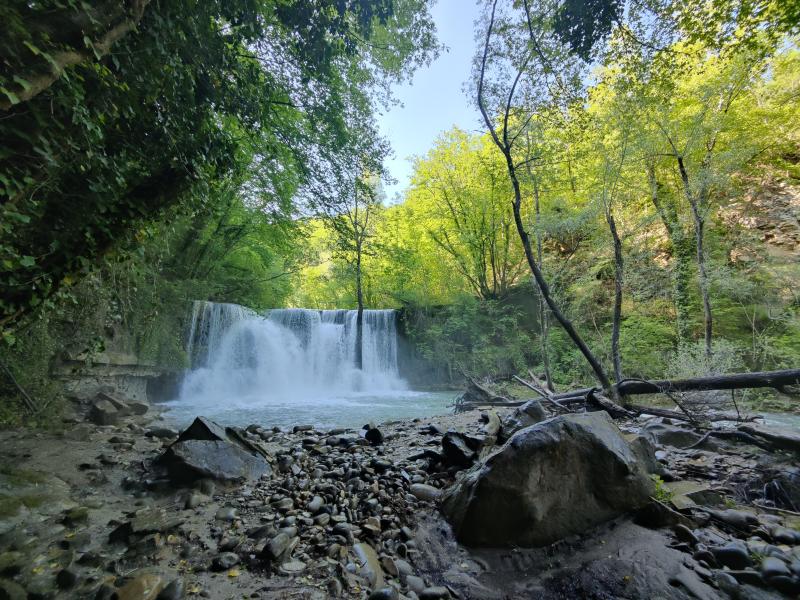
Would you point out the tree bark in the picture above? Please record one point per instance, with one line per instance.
(505, 147)
(618, 281)
(699, 235)
(543, 316)
(360, 315)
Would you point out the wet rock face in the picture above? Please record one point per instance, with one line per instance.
(548, 481)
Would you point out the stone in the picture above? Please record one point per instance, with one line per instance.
(774, 567)
(369, 567)
(220, 460)
(788, 586)
(12, 563)
(40, 587)
(161, 433)
(103, 412)
(226, 513)
(415, 584)
(733, 555)
(738, 519)
(315, 505)
(225, 561)
(175, 590)
(670, 435)
(204, 429)
(550, 480)
(385, 593)
(460, 450)
(438, 592)
(292, 567)
(138, 408)
(144, 586)
(66, 579)
(424, 492)
(684, 534)
(728, 584)
(276, 547)
(145, 521)
(10, 590)
(373, 435)
(530, 413)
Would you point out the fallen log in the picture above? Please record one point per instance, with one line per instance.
(615, 410)
(735, 381)
(783, 440)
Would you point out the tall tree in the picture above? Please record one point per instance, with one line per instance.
(525, 56)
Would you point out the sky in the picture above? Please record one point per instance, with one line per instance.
(434, 100)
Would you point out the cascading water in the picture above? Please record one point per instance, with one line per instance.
(293, 361)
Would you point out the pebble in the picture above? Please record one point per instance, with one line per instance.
(225, 561)
(292, 567)
(733, 555)
(774, 567)
(385, 593)
(226, 513)
(434, 593)
(315, 505)
(276, 546)
(175, 590)
(424, 492)
(684, 534)
(415, 584)
(66, 579)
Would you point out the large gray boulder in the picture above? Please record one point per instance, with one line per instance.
(206, 449)
(195, 459)
(551, 480)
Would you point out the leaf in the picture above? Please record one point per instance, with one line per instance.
(27, 261)
(10, 95)
(24, 83)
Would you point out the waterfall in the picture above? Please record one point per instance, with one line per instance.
(287, 355)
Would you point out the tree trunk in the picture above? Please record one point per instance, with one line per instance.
(360, 316)
(543, 316)
(505, 147)
(699, 234)
(618, 275)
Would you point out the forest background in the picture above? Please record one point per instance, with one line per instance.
(137, 180)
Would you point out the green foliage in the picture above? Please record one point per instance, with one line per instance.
(662, 493)
(193, 92)
(474, 336)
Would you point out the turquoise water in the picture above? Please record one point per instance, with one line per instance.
(326, 412)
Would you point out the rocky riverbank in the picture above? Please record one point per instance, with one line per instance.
(123, 506)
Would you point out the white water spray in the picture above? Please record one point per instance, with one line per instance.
(287, 356)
